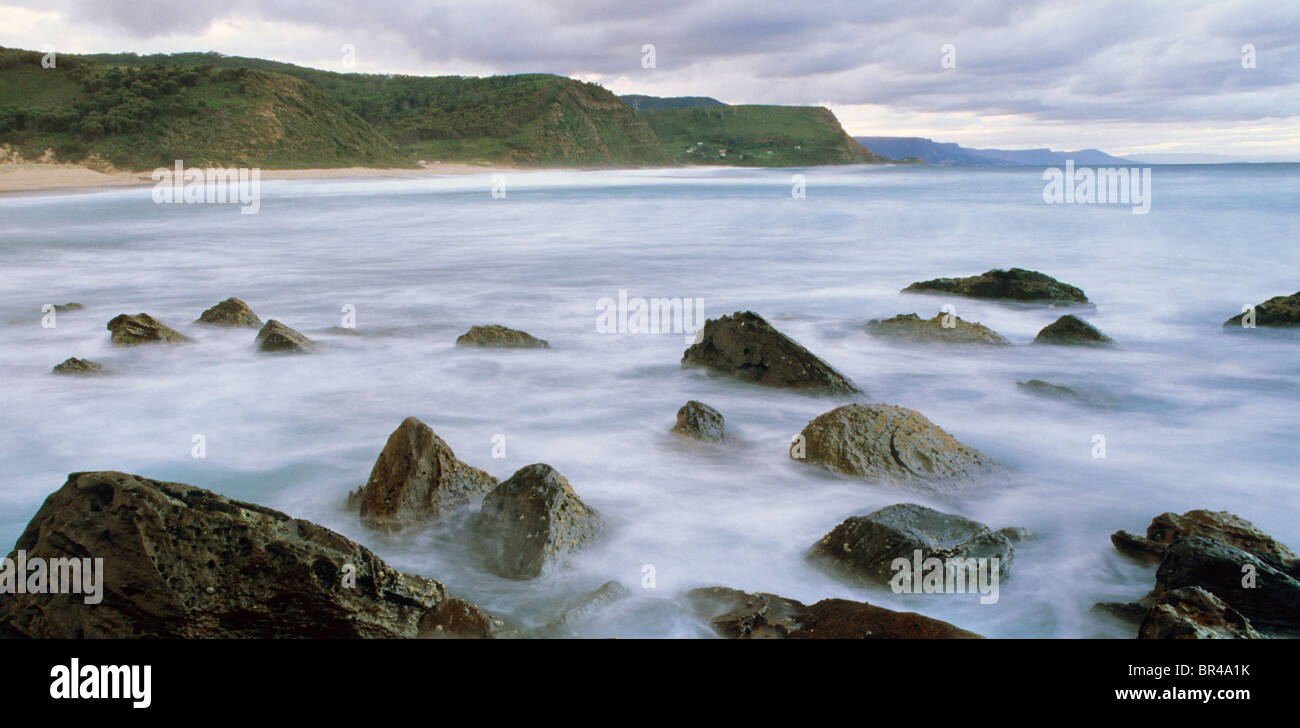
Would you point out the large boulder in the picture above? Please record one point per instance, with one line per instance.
(1017, 284)
(230, 312)
(863, 548)
(1071, 330)
(881, 441)
(500, 337)
(745, 346)
(141, 328)
(417, 478)
(532, 520)
(182, 562)
(736, 614)
(73, 365)
(1276, 311)
(1269, 598)
(700, 421)
(1222, 526)
(1195, 614)
(940, 329)
(276, 337)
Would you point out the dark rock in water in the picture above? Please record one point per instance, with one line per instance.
(416, 478)
(1046, 389)
(1269, 598)
(69, 306)
(1015, 534)
(913, 328)
(1222, 526)
(73, 365)
(588, 604)
(884, 441)
(276, 337)
(354, 498)
(230, 312)
(141, 329)
(700, 421)
(182, 562)
(1129, 612)
(745, 346)
(1016, 284)
(456, 618)
(1276, 311)
(739, 615)
(532, 519)
(1195, 614)
(1071, 330)
(500, 337)
(863, 548)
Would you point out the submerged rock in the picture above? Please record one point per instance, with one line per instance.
(1222, 526)
(500, 337)
(531, 520)
(910, 327)
(141, 328)
(739, 615)
(73, 365)
(1047, 389)
(745, 346)
(276, 337)
(69, 306)
(878, 441)
(1193, 613)
(1071, 330)
(230, 312)
(1276, 311)
(417, 478)
(182, 562)
(700, 421)
(1016, 284)
(588, 604)
(863, 548)
(1269, 598)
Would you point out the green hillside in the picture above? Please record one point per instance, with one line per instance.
(760, 136)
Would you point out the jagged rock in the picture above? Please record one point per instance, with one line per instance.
(588, 604)
(73, 365)
(276, 337)
(863, 548)
(182, 562)
(1071, 330)
(1221, 526)
(1015, 534)
(500, 337)
(736, 614)
(417, 478)
(1276, 311)
(354, 498)
(230, 312)
(69, 306)
(745, 346)
(1016, 284)
(457, 618)
(531, 520)
(141, 329)
(700, 421)
(1193, 613)
(876, 441)
(1269, 598)
(913, 328)
(1129, 612)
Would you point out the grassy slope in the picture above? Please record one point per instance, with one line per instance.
(776, 136)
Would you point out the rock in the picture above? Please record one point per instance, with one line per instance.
(745, 346)
(912, 328)
(276, 337)
(1015, 534)
(182, 562)
(1016, 284)
(417, 478)
(588, 604)
(531, 520)
(738, 615)
(863, 548)
(1071, 330)
(354, 498)
(500, 337)
(700, 421)
(457, 618)
(1195, 614)
(141, 329)
(1046, 389)
(1129, 612)
(1271, 601)
(73, 365)
(1276, 311)
(230, 312)
(69, 306)
(880, 441)
(1221, 526)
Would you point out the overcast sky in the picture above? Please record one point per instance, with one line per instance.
(1126, 76)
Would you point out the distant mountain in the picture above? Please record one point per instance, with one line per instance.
(641, 101)
(949, 154)
(1194, 158)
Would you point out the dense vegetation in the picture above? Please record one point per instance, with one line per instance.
(768, 136)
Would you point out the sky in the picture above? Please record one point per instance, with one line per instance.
(1129, 76)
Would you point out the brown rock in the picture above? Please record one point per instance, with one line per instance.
(141, 329)
(700, 421)
(1195, 614)
(500, 337)
(531, 520)
(1071, 330)
(230, 312)
(735, 614)
(1220, 526)
(73, 365)
(912, 328)
(276, 337)
(745, 346)
(457, 618)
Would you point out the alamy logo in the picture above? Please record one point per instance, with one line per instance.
(954, 575)
(213, 185)
(1105, 186)
(75, 681)
(653, 316)
(37, 575)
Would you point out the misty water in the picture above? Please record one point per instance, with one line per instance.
(1193, 416)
